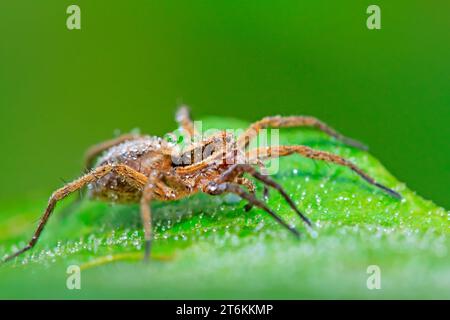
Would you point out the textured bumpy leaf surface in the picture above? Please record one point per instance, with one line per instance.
(209, 247)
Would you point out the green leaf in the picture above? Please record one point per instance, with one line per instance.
(209, 247)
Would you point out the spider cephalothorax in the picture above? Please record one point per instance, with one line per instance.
(139, 168)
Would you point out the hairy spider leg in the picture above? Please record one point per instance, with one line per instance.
(132, 176)
(217, 189)
(223, 138)
(183, 118)
(146, 216)
(281, 151)
(235, 170)
(250, 187)
(294, 121)
(156, 187)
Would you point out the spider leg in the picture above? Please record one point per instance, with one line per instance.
(294, 121)
(281, 151)
(184, 120)
(250, 187)
(156, 187)
(213, 149)
(97, 149)
(146, 216)
(266, 189)
(99, 172)
(237, 169)
(266, 193)
(220, 188)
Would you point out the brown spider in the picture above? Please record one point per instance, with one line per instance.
(139, 168)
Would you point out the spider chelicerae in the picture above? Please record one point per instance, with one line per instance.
(135, 168)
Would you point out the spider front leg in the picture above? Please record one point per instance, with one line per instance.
(281, 151)
(262, 169)
(235, 170)
(251, 189)
(135, 178)
(215, 188)
(295, 121)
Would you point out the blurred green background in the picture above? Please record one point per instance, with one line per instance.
(133, 62)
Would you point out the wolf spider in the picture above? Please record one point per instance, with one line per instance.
(136, 168)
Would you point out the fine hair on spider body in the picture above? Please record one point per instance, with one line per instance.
(135, 168)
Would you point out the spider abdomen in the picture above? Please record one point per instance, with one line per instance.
(146, 155)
